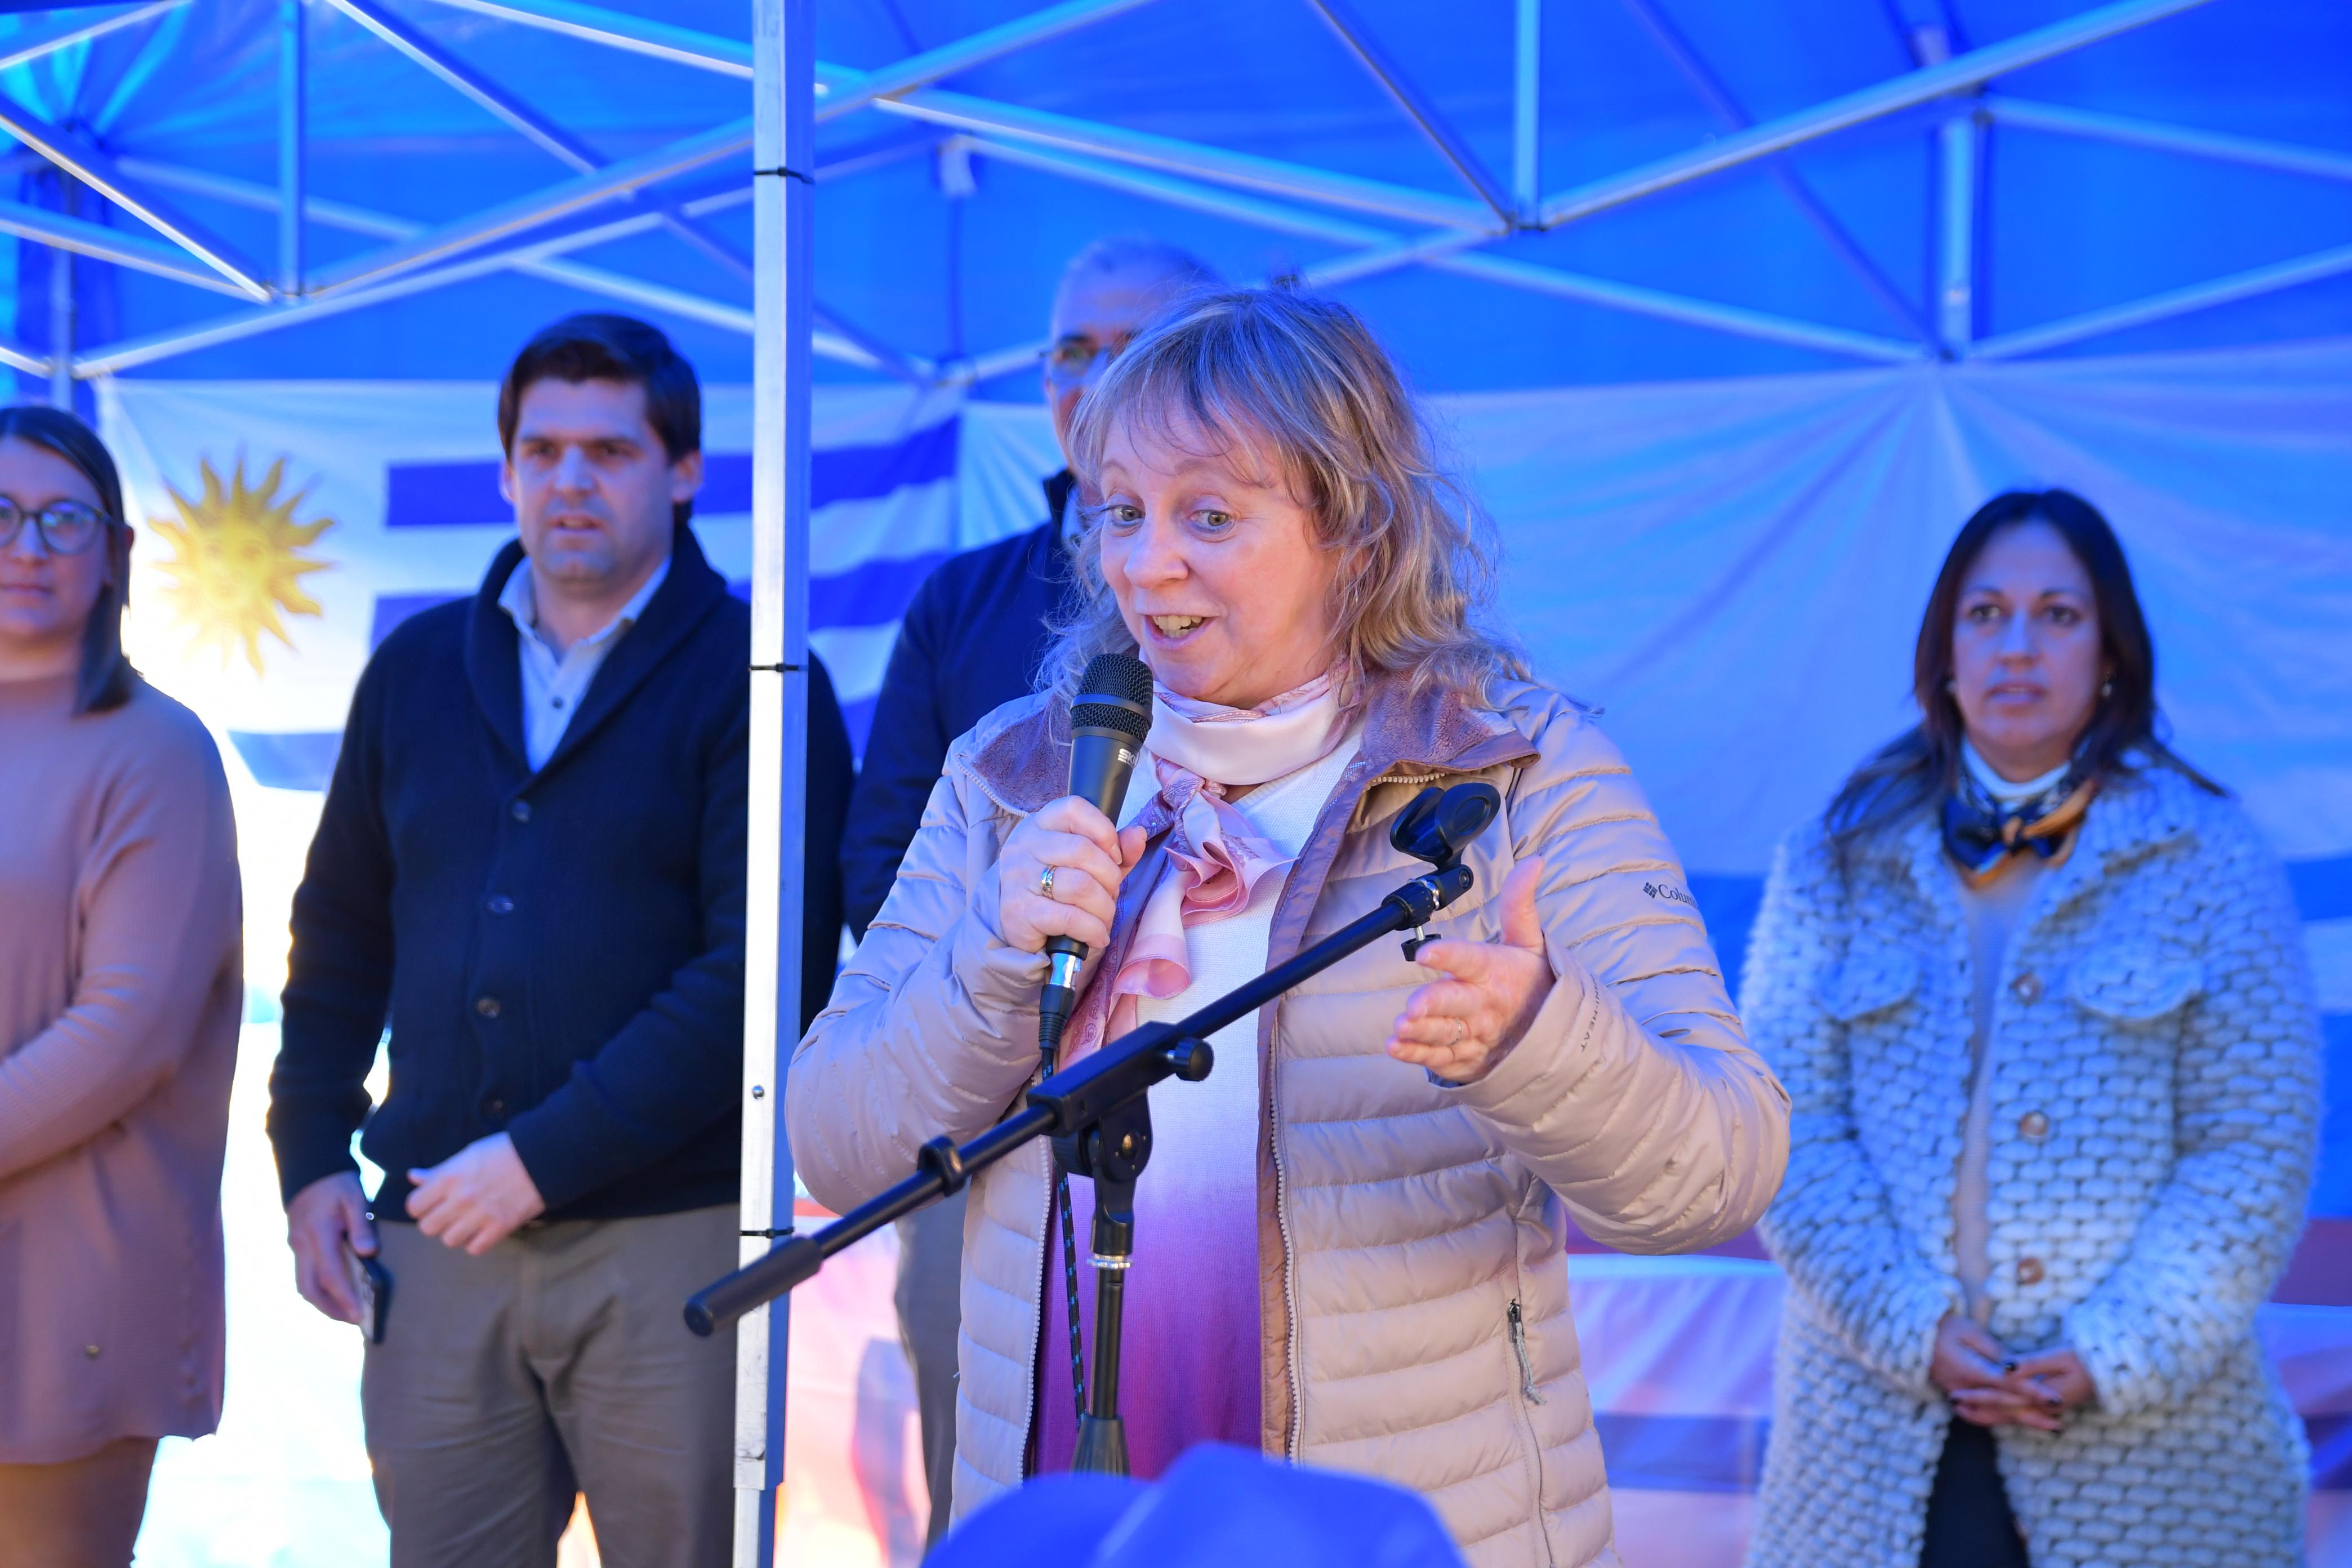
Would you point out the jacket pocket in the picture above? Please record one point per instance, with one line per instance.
(1868, 982)
(2133, 983)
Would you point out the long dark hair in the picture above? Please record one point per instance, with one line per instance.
(107, 678)
(1916, 769)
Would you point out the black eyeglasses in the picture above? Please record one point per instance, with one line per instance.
(67, 527)
(1077, 359)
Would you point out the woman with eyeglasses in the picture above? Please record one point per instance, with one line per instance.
(2037, 992)
(121, 984)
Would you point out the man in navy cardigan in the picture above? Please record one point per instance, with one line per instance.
(532, 863)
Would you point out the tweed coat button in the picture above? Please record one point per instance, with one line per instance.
(2029, 1271)
(2033, 1124)
(487, 1006)
(519, 810)
(90, 1351)
(2027, 988)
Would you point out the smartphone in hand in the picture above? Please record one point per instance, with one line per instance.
(372, 1285)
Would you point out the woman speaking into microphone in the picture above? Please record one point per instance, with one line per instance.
(1350, 1242)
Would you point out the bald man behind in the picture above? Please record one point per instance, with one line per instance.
(970, 642)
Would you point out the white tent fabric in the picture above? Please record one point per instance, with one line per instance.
(1734, 569)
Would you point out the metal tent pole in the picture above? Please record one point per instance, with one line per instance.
(1959, 152)
(1527, 112)
(783, 146)
(61, 309)
(292, 87)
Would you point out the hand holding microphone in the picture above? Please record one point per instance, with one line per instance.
(1059, 872)
(1088, 858)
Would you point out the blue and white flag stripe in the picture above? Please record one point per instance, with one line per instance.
(465, 495)
(883, 514)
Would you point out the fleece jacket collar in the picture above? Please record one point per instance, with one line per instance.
(494, 669)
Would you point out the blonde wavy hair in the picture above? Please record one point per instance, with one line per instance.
(1300, 381)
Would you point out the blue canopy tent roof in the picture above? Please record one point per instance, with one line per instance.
(2195, 155)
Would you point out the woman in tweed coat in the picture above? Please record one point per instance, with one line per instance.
(2036, 990)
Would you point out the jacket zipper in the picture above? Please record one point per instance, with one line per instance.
(1519, 1349)
(1290, 1438)
(1529, 1396)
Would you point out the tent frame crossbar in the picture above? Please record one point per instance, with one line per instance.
(454, 252)
(1434, 128)
(1719, 97)
(86, 32)
(618, 30)
(76, 156)
(1655, 303)
(834, 339)
(2025, 114)
(553, 139)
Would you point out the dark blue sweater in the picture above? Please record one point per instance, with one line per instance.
(970, 642)
(560, 953)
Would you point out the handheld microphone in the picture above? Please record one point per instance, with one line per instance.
(1109, 722)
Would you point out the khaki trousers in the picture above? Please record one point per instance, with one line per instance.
(557, 1363)
(84, 1513)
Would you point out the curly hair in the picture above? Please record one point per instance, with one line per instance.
(1301, 382)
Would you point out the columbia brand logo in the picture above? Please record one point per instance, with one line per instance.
(1668, 890)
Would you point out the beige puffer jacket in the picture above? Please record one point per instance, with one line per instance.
(1405, 1226)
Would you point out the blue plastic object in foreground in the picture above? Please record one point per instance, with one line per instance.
(1218, 1507)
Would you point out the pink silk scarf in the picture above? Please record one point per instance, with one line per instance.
(1201, 751)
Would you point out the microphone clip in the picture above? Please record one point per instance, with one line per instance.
(1436, 825)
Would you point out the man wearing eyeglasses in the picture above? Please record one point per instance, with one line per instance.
(972, 641)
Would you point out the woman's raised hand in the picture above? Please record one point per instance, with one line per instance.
(1089, 856)
(1459, 1028)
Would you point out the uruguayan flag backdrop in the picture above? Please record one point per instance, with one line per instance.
(285, 528)
(403, 476)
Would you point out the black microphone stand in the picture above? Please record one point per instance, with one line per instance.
(1100, 1120)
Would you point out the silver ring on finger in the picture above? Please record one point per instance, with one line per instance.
(1460, 1032)
(1046, 882)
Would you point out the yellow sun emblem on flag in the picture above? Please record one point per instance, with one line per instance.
(236, 560)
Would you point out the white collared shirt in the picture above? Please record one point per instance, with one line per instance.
(552, 686)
